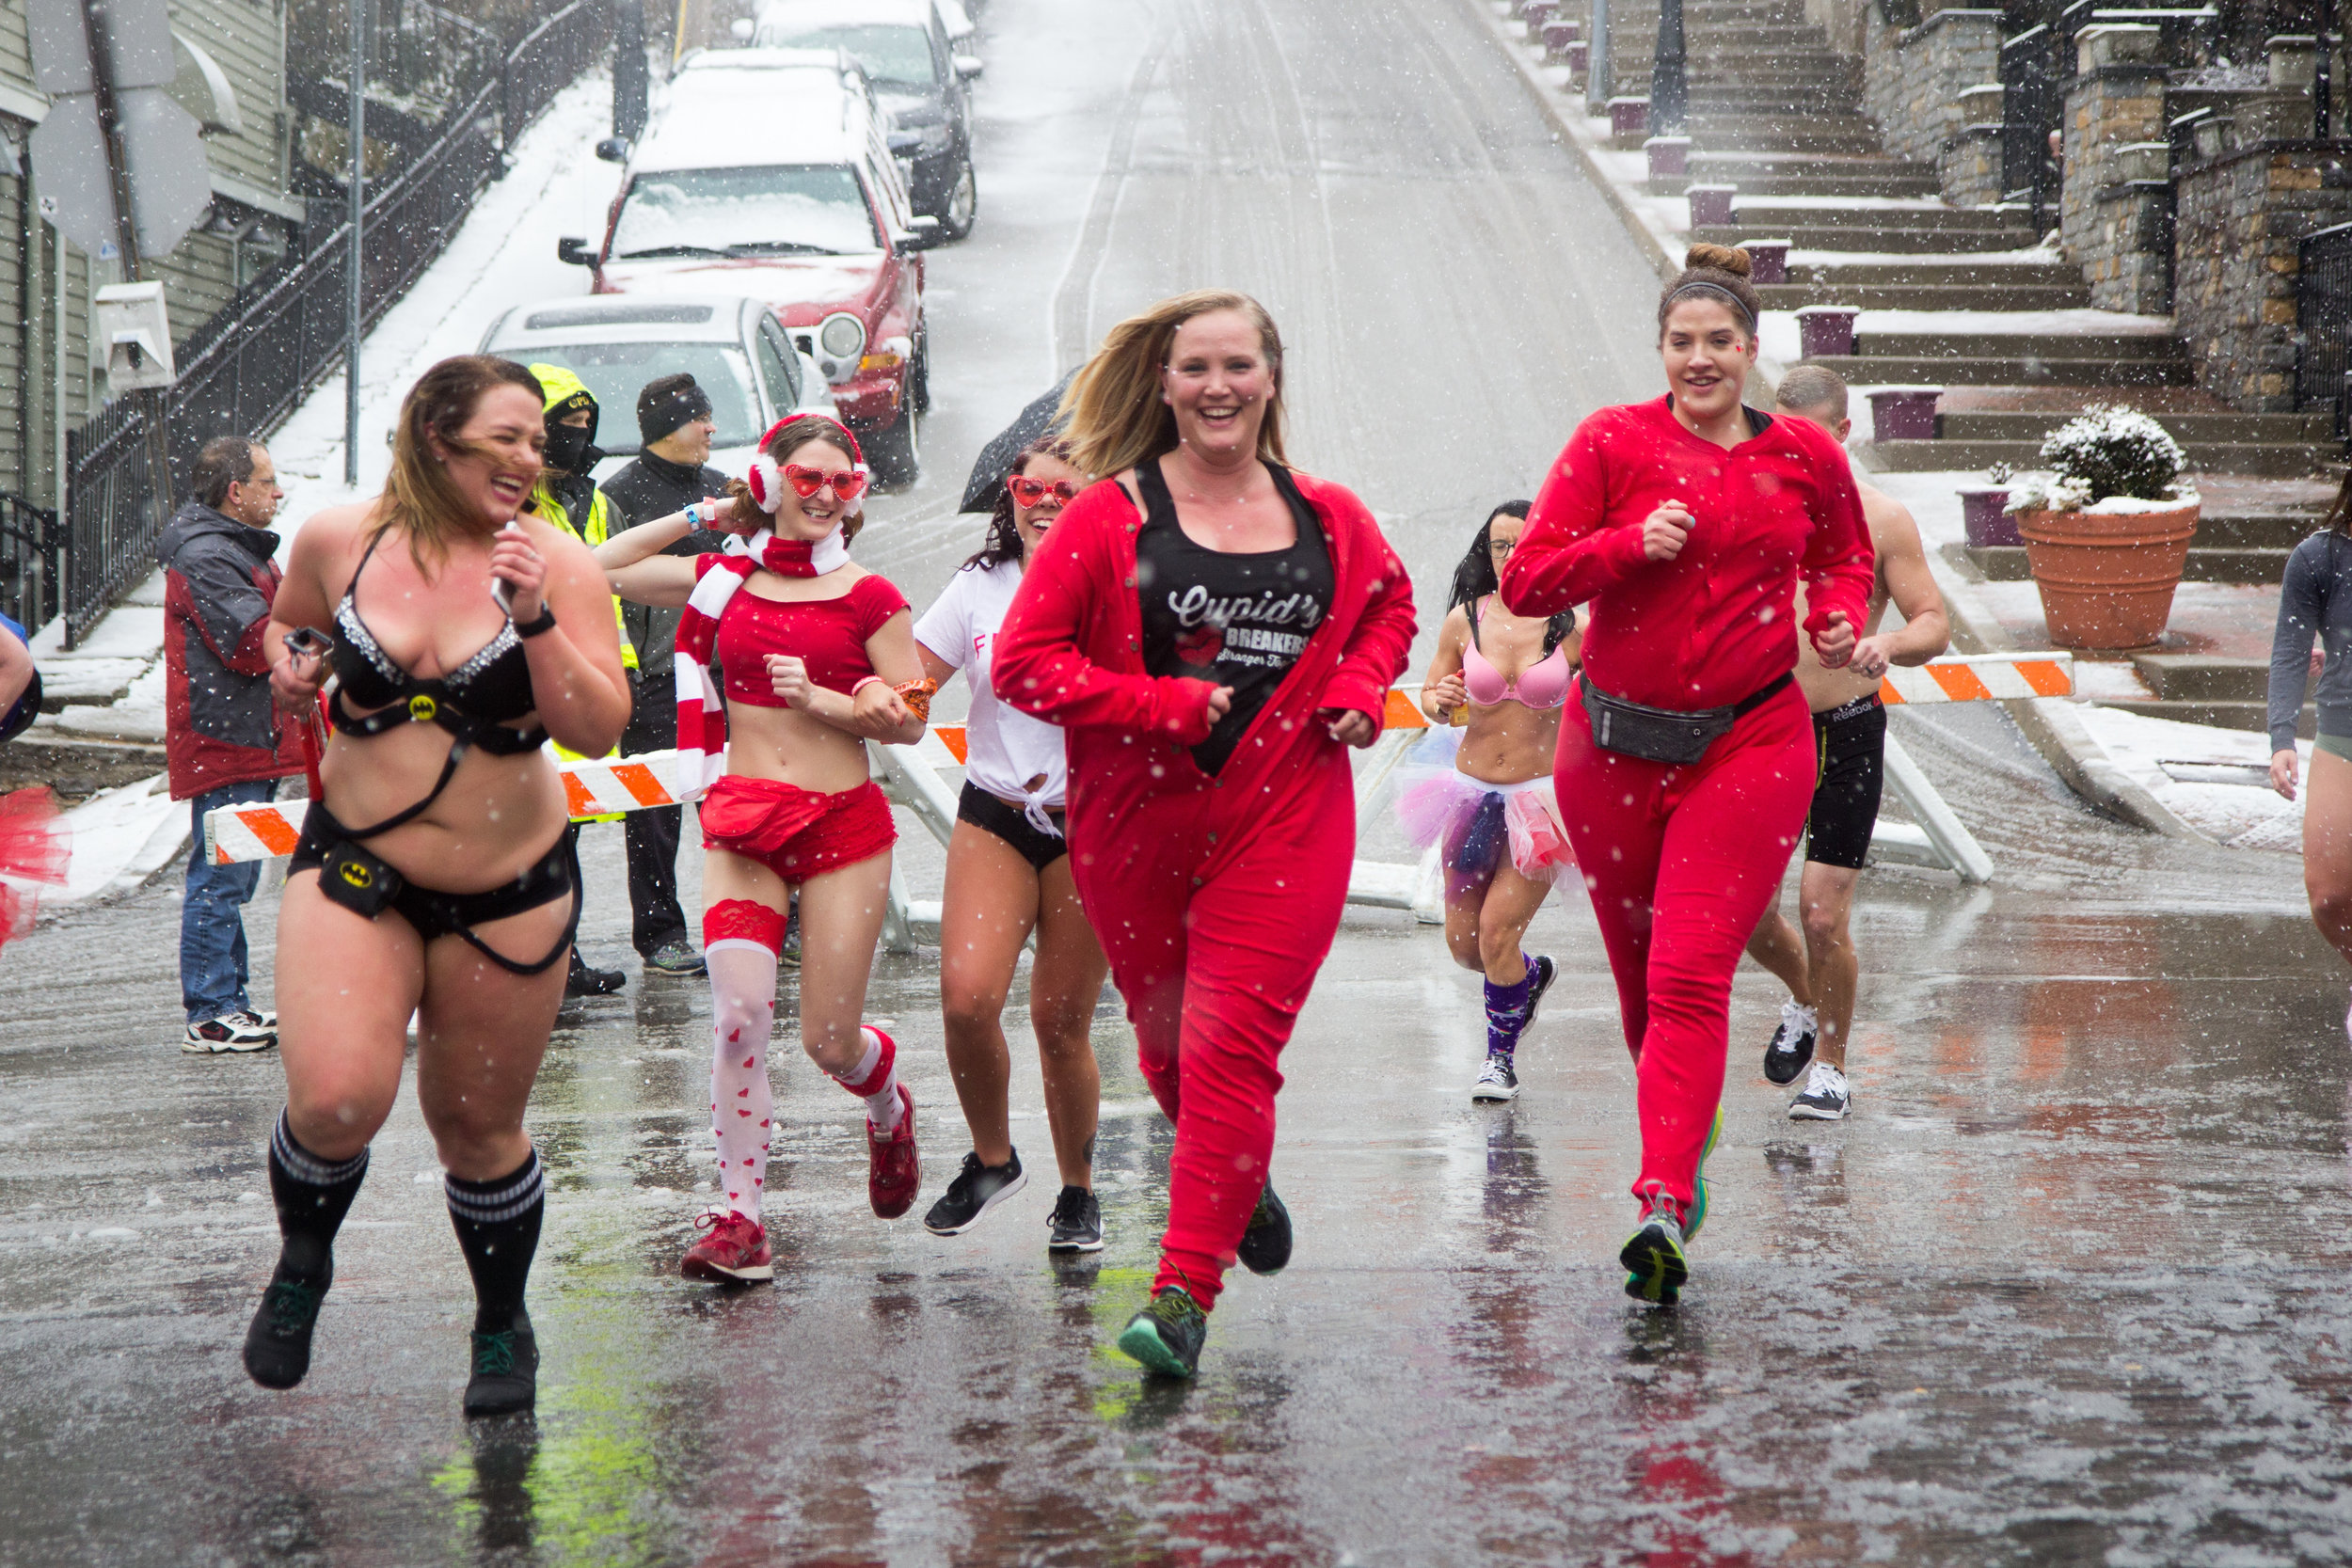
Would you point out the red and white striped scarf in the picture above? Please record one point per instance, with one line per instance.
(702, 717)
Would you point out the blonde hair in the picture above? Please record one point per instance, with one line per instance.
(1115, 415)
(418, 497)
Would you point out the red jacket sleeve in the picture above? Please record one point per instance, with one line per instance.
(1839, 566)
(1376, 652)
(1038, 664)
(1569, 551)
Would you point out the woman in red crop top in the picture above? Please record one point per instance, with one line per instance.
(1684, 525)
(817, 658)
(1482, 794)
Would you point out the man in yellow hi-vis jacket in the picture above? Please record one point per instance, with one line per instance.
(567, 497)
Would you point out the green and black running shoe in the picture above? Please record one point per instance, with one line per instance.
(1167, 1335)
(1265, 1246)
(278, 1346)
(1654, 1267)
(505, 1369)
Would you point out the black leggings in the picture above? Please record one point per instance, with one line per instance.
(434, 913)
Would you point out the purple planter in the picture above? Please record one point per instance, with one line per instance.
(1768, 260)
(1669, 156)
(1628, 117)
(1904, 413)
(1711, 205)
(1580, 57)
(1538, 12)
(1558, 35)
(1826, 330)
(1981, 514)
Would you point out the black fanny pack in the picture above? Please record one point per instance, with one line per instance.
(356, 879)
(1663, 735)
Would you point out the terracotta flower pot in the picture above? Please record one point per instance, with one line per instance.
(2106, 578)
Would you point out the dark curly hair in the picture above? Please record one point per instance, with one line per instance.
(1474, 578)
(1003, 542)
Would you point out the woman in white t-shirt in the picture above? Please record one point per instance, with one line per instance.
(1008, 873)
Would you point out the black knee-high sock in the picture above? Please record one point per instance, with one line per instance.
(498, 1226)
(313, 1196)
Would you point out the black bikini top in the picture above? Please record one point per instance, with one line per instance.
(473, 702)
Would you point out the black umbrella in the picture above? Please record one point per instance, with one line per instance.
(995, 460)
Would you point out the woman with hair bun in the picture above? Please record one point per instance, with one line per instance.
(1213, 631)
(462, 637)
(817, 656)
(1008, 876)
(1686, 763)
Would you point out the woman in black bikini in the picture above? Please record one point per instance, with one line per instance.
(464, 637)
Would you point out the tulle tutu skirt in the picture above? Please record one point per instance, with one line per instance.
(34, 847)
(1477, 822)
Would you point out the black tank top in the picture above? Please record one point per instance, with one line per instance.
(1232, 619)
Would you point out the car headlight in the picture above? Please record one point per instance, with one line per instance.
(841, 335)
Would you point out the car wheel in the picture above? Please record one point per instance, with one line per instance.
(956, 213)
(892, 451)
(919, 375)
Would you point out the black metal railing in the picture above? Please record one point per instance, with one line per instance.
(28, 560)
(2323, 324)
(246, 368)
(2033, 96)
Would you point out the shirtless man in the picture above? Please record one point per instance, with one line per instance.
(1820, 967)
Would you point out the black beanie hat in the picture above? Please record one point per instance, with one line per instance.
(669, 401)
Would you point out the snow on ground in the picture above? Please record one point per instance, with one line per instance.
(2217, 781)
(120, 838)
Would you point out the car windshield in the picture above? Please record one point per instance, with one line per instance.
(811, 210)
(615, 372)
(885, 52)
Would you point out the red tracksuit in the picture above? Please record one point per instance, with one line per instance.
(1681, 862)
(1216, 899)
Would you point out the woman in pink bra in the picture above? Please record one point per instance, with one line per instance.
(1483, 791)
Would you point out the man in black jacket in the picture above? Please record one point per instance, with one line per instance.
(669, 473)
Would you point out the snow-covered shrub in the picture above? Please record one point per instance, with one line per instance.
(2114, 450)
(2045, 492)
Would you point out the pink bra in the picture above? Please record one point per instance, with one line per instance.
(1542, 684)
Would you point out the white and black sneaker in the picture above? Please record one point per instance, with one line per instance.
(975, 1190)
(1076, 1224)
(239, 1031)
(1791, 1045)
(1497, 1080)
(1826, 1098)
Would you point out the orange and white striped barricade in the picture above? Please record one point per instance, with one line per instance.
(1935, 837)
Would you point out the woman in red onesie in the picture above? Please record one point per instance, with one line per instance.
(1212, 632)
(818, 658)
(1686, 753)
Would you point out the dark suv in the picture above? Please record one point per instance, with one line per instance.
(903, 48)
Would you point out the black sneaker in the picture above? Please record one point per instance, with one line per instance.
(1498, 1080)
(1654, 1267)
(584, 981)
(1265, 1246)
(1546, 971)
(677, 956)
(278, 1345)
(1791, 1044)
(1077, 1223)
(975, 1190)
(505, 1369)
(1167, 1335)
(1827, 1095)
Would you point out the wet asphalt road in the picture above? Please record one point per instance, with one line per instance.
(2066, 1290)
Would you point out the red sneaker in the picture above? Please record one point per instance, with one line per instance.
(736, 1249)
(893, 1174)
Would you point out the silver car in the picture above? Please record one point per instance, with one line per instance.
(733, 346)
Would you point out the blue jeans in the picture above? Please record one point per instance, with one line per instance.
(212, 916)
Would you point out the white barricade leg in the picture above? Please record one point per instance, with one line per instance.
(1429, 887)
(1941, 828)
(898, 920)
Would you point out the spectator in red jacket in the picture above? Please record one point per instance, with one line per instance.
(1686, 761)
(1212, 631)
(223, 736)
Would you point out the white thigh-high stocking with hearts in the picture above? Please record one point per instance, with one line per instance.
(741, 941)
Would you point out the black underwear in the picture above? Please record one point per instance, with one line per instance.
(360, 881)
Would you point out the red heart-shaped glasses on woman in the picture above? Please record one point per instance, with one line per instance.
(1032, 492)
(848, 484)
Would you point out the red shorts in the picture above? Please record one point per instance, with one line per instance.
(795, 832)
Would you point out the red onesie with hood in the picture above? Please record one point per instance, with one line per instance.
(1681, 862)
(1215, 899)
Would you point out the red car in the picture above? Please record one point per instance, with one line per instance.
(770, 174)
